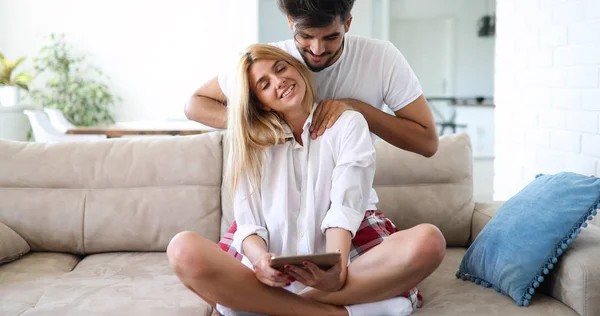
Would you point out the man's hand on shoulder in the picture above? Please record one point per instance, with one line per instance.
(326, 114)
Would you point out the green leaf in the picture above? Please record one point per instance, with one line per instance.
(23, 80)
(18, 62)
(72, 84)
(7, 70)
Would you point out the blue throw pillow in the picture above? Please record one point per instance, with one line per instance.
(521, 244)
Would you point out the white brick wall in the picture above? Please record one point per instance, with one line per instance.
(547, 90)
(592, 8)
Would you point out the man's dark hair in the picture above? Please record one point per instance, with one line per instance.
(316, 13)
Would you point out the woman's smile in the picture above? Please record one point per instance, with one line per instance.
(288, 92)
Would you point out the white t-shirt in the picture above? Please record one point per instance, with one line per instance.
(369, 70)
(292, 209)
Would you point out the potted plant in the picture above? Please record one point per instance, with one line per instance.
(11, 83)
(72, 85)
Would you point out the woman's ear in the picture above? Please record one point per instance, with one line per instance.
(257, 104)
(263, 107)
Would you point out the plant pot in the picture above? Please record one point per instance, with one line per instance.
(14, 125)
(9, 95)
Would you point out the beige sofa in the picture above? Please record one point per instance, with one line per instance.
(84, 227)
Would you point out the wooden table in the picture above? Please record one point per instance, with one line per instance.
(138, 128)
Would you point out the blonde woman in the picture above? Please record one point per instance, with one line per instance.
(294, 195)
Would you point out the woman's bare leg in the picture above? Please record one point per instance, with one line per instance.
(219, 278)
(391, 268)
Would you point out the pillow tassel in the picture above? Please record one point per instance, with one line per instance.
(525, 300)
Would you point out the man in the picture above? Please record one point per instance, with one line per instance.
(351, 73)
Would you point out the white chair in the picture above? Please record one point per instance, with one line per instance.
(45, 132)
(58, 119)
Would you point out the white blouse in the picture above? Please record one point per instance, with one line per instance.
(306, 189)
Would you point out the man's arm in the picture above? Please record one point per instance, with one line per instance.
(208, 105)
(412, 129)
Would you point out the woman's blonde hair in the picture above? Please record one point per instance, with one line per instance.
(251, 128)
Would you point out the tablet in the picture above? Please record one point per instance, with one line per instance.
(324, 260)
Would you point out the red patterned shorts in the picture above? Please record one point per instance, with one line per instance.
(373, 230)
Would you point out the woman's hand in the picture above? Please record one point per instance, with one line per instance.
(311, 275)
(267, 275)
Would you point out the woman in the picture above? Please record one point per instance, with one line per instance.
(293, 195)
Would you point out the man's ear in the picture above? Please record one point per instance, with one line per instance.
(347, 25)
(290, 22)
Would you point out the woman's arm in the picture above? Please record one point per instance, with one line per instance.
(247, 212)
(254, 247)
(251, 237)
(334, 279)
(338, 239)
(353, 174)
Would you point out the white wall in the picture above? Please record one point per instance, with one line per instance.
(362, 18)
(272, 24)
(156, 52)
(547, 90)
(473, 56)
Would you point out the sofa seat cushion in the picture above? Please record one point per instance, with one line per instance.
(443, 292)
(120, 284)
(23, 282)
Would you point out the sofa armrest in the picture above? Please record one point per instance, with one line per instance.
(482, 214)
(576, 280)
(12, 245)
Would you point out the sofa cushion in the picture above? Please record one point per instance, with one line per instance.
(114, 195)
(22, 282)
(443, 294)
(49, 219)
(577, 277)
(145, 219)
(120, 284)
(521, 244)
(482, 214)
(12, 246)
(413, 189)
